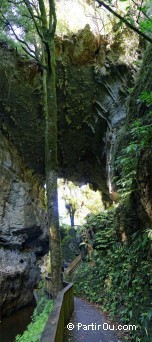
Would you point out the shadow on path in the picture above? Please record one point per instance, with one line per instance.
(88, 314)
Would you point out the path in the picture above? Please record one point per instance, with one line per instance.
(86, 314)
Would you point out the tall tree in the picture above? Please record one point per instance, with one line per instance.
(41, 16)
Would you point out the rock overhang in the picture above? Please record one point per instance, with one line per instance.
(91, 97)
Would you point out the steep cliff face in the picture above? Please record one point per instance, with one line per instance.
(22, 223)
(23, 232)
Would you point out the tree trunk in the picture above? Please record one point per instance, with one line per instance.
(54, 236)
(51, 167)
(72, 212)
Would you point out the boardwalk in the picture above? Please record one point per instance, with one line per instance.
(91, 319)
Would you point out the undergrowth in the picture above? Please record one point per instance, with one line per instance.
(119, 276)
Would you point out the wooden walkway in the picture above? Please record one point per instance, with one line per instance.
(72, 267)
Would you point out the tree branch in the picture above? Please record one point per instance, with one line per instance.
(35, 8)
(16, 2)
(28, 6)
(43, 13)
(52, 17)
(26, 48)
(34, 57)
(141, 10)
(29, 16)
(16, 36)
(135, 29)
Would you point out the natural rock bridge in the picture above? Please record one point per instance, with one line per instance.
(92, 87)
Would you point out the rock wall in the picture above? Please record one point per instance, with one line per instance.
(23, 231)
(18, 277)
(22, 210)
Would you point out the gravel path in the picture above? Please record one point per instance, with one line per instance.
(88, 314)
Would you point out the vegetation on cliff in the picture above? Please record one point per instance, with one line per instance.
(119, 275)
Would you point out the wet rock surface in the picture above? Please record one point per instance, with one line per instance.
(18, 277)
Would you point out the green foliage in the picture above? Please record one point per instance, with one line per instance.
(146, 97)
(104, 232)
(69, 243)
(39, 319)
(146, 25)
(67, 252)
(121, 278)
(101, 220)
(17, 25)
(140, 133)
(64, 230)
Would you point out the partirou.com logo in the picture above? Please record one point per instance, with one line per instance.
(104, 326)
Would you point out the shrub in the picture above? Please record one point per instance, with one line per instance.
(121, 278)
